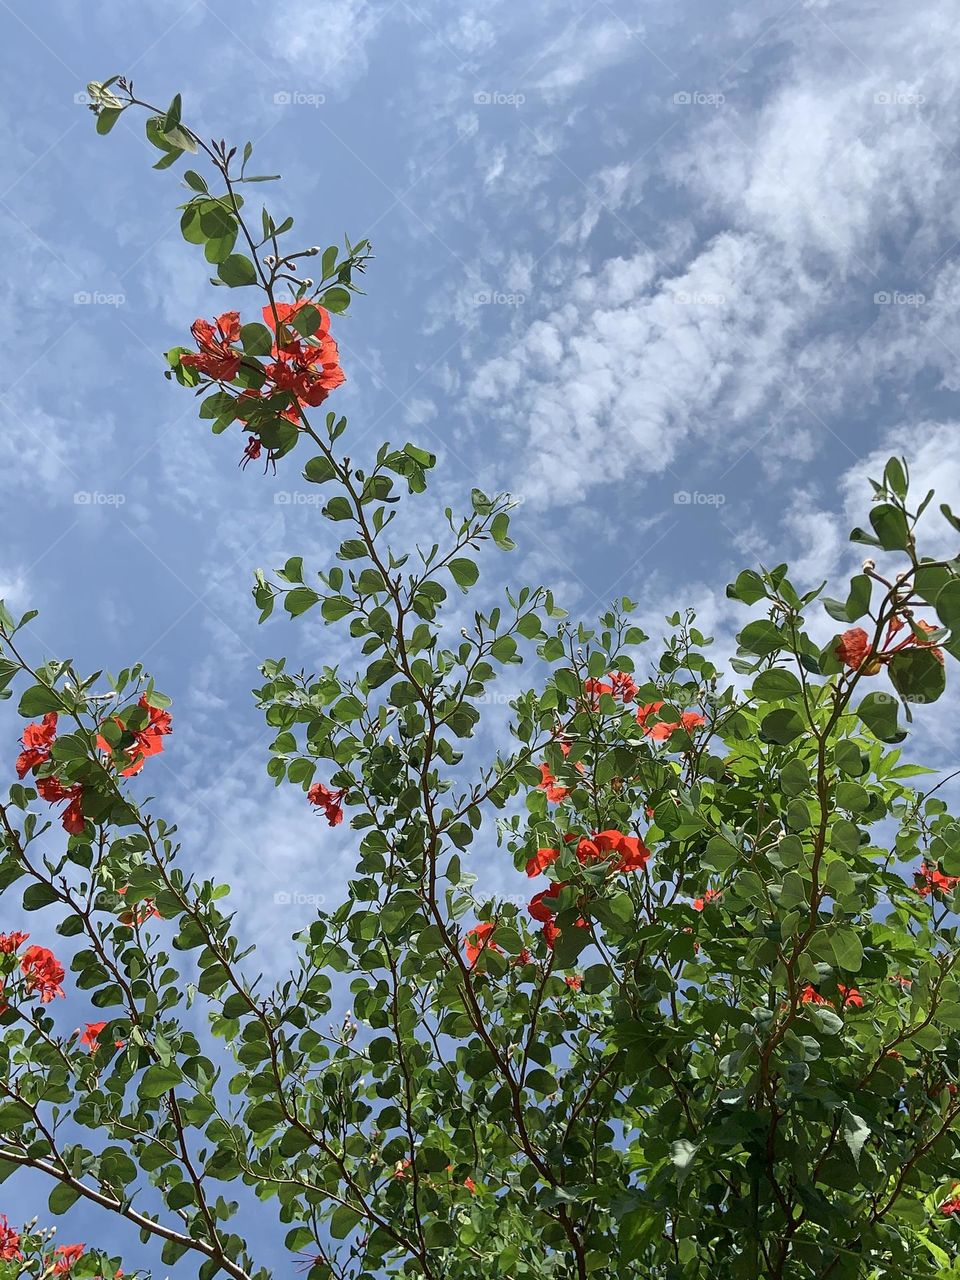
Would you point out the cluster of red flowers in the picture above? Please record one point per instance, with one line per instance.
(933, 880)
(43, 972)
(306, 369)
(854, 645)
(331, 802)
(622, 853)
(711, 895)
(65, 1255)
(9, 1242)
(850, 996)
(660, 730)
(478, 940)
(37, 740)
(147, 741)
(618, 684)
(951, 1206)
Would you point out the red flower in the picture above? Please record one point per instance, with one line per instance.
(951, 1206)
(542, 859)
(477, 940)
(632, 854)
(709, 896)
(664, 729)
(43, 972)
(574, 982)
(645, 712)
(331, 802)
(933, 880)
(523, 956)
(470, 1185)
(53, 791)
(147, 741)
(548, 784)
(9, 942)
(36, 743)
(216, 358)
(809, 995)
(307, 369)
(9, 1242)
(89, 1037)
(851, 996)
(537, 907)
(142, 912)
(68, 1255)
(925, 626)
(852, 647)
(550, 933)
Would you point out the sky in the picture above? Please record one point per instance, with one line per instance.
(678, 277)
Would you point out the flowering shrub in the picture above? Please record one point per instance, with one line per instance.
(721, 1040)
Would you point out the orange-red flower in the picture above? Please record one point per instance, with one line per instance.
(663, 729)
(810, 995)
(37, 739)
(308, 369)
(470, 1185)
(548, 783)
(852, 647)
(542, 859)
(10, 942)
(9, 1242)
(574, 981)
(216, 357)
(951, 1206)
(932, 880)
(147, 741)
(43, 972)
(331, 802)
(479, 939)
(89, 1037)
(710, 896)
(66, 1255)
(53, 791)
(851, 996)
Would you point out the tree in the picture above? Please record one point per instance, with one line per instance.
(721, 1040)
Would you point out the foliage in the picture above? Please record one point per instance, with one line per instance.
(723, 1039)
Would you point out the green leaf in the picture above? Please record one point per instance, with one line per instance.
(917, 675)
(237, 270)
(38, 700)
(62, 1197)
(465, 573)
(890, 525)
(855, 1133)
(299, 600)
(782, 726)
(878, 711)
(749, 587)
(336, 300)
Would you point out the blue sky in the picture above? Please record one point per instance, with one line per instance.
(626, 253)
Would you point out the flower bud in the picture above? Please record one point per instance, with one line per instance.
(868, 565)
